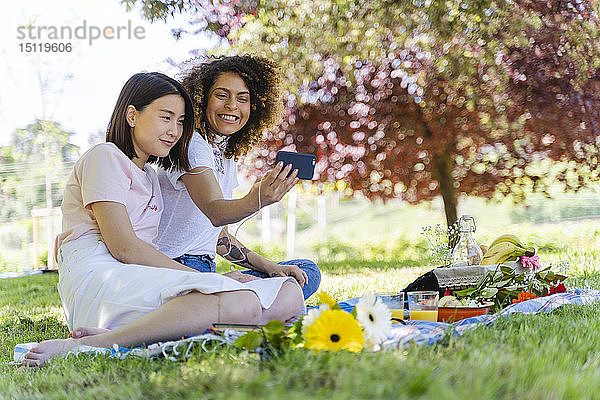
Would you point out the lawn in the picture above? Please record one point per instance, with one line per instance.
(534, 357)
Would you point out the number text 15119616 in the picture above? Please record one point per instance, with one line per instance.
(45, 47)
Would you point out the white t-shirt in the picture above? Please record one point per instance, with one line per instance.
(183, 228)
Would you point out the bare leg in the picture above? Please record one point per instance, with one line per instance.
(190, 314)
(288, 303)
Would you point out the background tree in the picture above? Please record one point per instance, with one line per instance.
(415, 99)
(23, 168)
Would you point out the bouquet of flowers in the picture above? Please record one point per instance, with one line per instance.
(440, 242)
(327, 327)
(505, 285)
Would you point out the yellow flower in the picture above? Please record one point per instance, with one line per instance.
(324, 298)
(335, 330)
(312, 315)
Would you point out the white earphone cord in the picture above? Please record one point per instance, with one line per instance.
(242, 223)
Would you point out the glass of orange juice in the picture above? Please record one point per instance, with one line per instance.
(395, 303)
(423, 305)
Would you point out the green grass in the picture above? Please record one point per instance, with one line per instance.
(550, 356)
(534, 357)
(369, 247)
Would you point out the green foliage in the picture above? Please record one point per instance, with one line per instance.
(504, 284)
(400, 248)
(155, 10)
(274, 338)
(270, 252)
(44, 258)
(333, 250)
(545, 244)
(34, 293)
(541, 210)
(273, 253)
(40, 149)
(527, 356)
(250, 341)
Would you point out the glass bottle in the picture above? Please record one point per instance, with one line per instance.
(467, 251)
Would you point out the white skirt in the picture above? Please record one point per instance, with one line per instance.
(97, 290)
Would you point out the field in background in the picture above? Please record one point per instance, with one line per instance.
(343, 229)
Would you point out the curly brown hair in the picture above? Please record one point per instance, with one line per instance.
(263, 79)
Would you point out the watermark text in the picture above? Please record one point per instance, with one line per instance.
(90, 33)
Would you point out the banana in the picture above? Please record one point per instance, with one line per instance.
(502, 252)
(509, 238)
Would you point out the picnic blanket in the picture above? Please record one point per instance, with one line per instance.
(426, 333)
(171, 350)
(414, 332)
(7, 275)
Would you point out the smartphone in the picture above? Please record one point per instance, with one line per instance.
(304, 163)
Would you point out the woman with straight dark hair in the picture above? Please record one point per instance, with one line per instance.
(139, 91)
(113, 282)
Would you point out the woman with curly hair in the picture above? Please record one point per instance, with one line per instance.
(235, 99)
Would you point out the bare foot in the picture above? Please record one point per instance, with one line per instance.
(82, 332)
(40, 354)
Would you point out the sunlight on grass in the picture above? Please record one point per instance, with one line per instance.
(526, 356)
(354, 284)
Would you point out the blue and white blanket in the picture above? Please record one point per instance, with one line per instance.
(7, 275)
(414, 332)
(425, 332)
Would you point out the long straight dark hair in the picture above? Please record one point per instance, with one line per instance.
(139, 91)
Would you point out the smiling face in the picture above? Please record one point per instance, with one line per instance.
(228, 107)
(156, 128)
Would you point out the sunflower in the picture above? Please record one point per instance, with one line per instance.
(375, 318)
(335, 330)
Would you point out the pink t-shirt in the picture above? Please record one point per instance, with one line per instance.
(105, 173)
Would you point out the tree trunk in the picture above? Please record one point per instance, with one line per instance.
(443, 168)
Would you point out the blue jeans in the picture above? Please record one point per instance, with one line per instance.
(204, 263)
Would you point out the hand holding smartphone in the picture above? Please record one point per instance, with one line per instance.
(303, 162)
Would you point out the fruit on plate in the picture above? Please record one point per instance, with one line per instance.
(449, 301)
(506, 248)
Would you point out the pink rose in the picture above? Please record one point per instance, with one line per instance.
(532, 263)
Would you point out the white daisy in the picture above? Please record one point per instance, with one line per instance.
(375, 318)
(312, 315)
